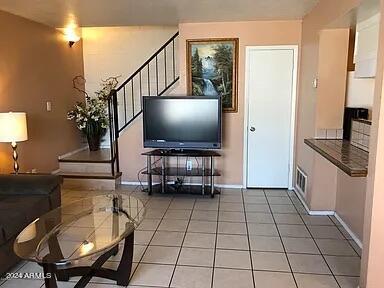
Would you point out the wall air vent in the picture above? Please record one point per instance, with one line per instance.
(301, 181)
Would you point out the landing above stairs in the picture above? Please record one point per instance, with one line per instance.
(88, 170)
(101, 156)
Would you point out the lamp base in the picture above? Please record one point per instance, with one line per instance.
(15, 156)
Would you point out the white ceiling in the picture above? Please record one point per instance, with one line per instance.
(88, 13)
(367, 9)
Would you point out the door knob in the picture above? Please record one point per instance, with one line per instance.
(252, 129)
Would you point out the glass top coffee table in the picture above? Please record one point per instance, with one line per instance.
(88, 228)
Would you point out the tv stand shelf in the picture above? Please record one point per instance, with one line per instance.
(206, 171)
(177, 171)
(182, 153)
(184, 189)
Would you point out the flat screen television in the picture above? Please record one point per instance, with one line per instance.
(182, 122)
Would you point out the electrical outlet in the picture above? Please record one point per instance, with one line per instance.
(315, 83)
(189, 165)
(49, 106)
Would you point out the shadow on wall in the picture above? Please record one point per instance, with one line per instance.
(225, 125)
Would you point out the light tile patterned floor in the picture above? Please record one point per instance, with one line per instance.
(241, 238)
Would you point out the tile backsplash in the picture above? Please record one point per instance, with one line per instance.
(329, 134)
(361, 130)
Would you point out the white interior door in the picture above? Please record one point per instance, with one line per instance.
(270, 83)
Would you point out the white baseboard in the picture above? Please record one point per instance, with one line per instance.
(321, 213)
(346, 227)
(313, 212)
(72, 152)
(330, 213)
(230, 186)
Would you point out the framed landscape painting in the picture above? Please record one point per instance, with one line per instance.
(212, 69)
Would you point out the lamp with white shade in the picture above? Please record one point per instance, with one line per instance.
(13, 129)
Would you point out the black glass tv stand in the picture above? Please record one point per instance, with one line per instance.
(206, 171)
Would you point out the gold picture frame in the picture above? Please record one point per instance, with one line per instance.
(212, 67)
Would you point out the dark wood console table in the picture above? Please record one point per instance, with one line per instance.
(207, 171)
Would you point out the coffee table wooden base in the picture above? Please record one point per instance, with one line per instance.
(121, 275)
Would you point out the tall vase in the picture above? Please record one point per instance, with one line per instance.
(94, 142)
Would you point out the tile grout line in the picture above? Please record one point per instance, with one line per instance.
(297, 253)
(182, 242)
(321, 253)
(134, 270)
(249, 242)
(347, 240)
(281, 240)
(344, 238)
(215, 247)
(153, 235)
(238, 249)
(241, 269)
(217, 223)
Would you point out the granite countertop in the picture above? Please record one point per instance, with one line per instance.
(365, 121)
(343, 154)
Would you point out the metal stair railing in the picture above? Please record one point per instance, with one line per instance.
(153, 78)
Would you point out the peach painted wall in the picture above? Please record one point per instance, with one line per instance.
(323, 194)
(324, 13)
(373, 248)
(332, 75)
(330, 99)
(130, 149)
(249, 34)
(349, 192)
(350, 199)
(38, 66)
(324, 55)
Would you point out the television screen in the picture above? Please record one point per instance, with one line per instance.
(182, 122)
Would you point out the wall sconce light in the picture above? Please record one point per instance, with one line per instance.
(71, 35)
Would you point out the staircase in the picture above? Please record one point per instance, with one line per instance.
(89, 170)
(100, 170)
